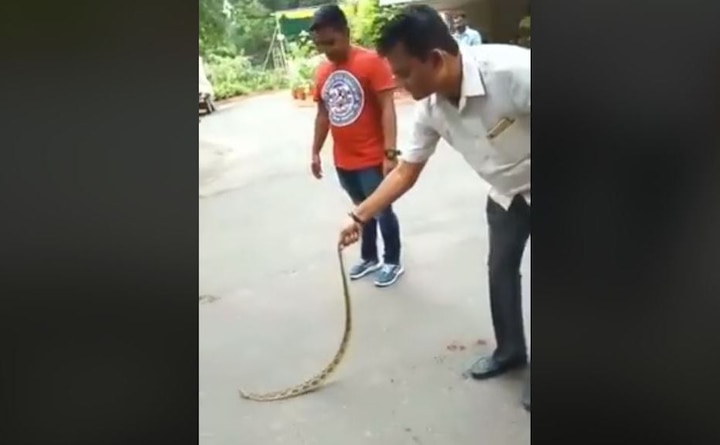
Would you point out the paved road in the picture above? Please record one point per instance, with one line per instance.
(267, 234)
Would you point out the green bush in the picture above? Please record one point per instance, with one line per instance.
(236, 76)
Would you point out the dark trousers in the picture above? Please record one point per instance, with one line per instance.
(509, 232)
(360, 184)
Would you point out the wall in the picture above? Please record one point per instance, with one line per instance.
(505, 18)
(497, 18)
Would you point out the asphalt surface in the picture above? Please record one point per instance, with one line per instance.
(271, 311)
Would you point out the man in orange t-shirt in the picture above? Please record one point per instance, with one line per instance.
(354, 91)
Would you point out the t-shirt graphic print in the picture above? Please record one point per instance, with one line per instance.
(344, 98)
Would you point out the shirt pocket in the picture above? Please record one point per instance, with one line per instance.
(499, 128)
(509, 139)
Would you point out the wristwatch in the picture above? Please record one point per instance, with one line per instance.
(392, 154)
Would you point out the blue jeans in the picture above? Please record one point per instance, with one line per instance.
(360, 184)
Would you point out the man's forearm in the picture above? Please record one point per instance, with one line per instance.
(322, 127)
(395, 184)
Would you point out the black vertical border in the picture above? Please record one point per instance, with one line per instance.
(626, 211)
(100, 223)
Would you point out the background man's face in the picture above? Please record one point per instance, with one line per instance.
(460, 24)
(331, 42)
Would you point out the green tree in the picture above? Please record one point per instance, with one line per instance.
(250, 30)
(213, 25)
(367, 19)
(231, 27)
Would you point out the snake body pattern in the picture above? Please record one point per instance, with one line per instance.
(319, 379)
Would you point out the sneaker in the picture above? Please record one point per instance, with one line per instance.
(389, 273)
(363, 268)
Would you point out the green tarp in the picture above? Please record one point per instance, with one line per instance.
(291, 28)
(294, 21)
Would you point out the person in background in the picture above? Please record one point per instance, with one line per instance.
(465, 34)
(354, 91)
(476, 98)
(449, 21)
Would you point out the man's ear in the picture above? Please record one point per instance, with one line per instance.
(440, 61)
(436, 58)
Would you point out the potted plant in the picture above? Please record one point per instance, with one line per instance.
(295, 91)
(295, 87)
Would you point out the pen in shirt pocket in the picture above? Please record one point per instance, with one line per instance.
(501, 126)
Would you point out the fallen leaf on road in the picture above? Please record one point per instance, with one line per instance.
(456, 346)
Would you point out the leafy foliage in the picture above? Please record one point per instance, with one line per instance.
(251, 28)
(366, 20)
(232, 27)
(236, 76)
(212, 25)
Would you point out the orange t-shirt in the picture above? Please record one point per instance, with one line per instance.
(350, 93)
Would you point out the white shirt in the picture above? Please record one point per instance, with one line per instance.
(495, 92)
(469, 37)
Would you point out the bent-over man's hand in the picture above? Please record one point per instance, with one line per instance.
(349, 233)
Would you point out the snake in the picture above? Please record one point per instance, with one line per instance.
(320, 378)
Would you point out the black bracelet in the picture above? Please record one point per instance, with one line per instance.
(356, 218)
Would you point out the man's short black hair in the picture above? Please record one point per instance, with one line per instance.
(420, 29)
(329, 16)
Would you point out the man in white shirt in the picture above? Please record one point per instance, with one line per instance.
(463, 33)
(478, 100)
